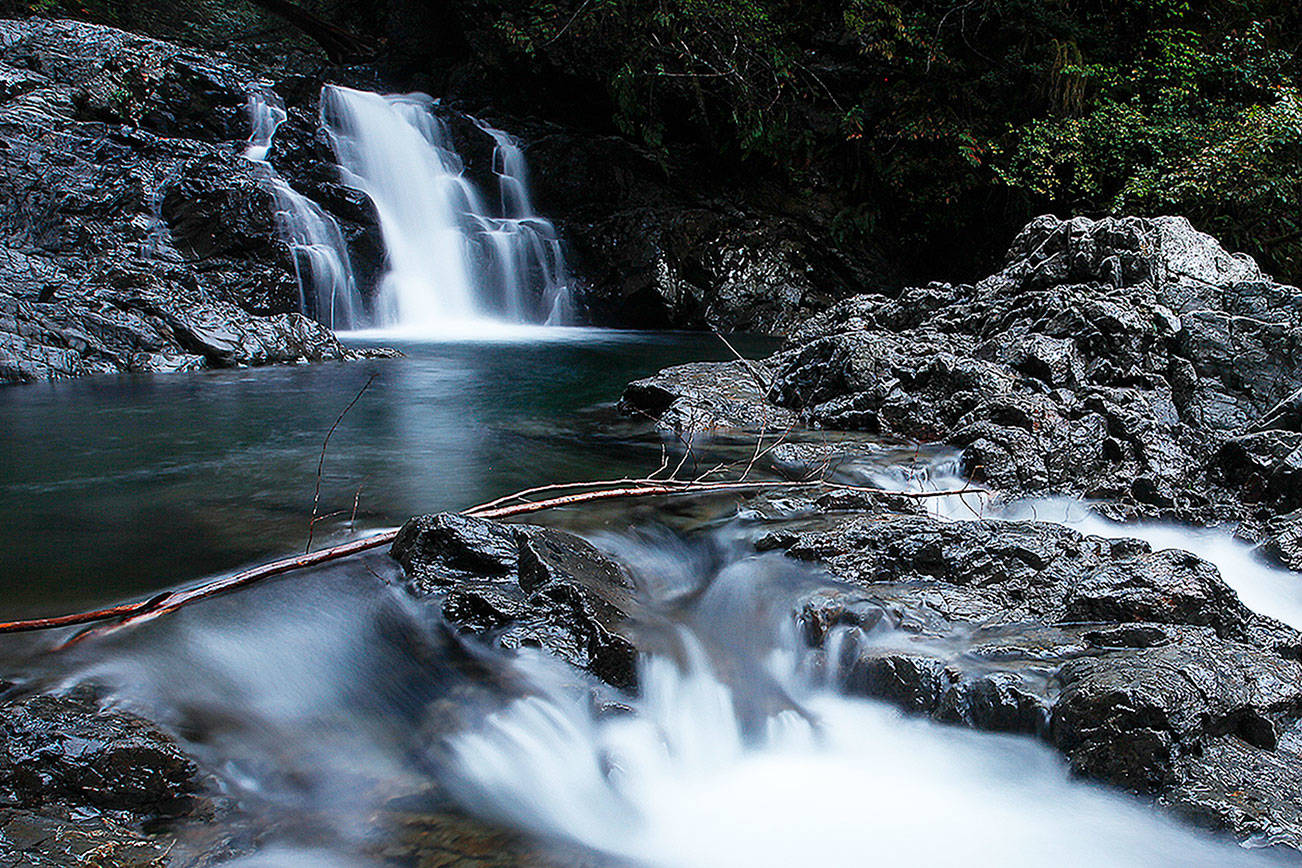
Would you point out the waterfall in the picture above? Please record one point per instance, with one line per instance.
(326, 288)
(451, 262)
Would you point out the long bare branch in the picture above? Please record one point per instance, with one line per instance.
(135, 613)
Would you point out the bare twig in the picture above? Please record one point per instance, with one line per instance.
(320, 465)
(357, 496)
(750, 366)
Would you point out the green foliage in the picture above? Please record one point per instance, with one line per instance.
(910, 119)
(1209, 129)
(899, 125)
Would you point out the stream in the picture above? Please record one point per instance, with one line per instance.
(353, 726)
(323, 696)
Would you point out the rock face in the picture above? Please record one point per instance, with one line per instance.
(1141, 666)
(136, 237)
(650, 252)
(523, 586)
(1127, 360)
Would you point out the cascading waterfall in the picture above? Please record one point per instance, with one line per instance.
(327, 290)
(760, 758)
(451, 263)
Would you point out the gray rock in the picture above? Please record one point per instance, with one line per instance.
(522, 586)
(1283, 540)
(704, 396)
(1109, 359)
(1162, 252)
(1141, 666)
(135, 235)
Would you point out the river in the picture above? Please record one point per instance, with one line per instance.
(317, 696)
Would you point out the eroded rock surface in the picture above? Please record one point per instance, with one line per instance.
(1126, 360)
(135, 236)
(523, 586)
(1141, 666)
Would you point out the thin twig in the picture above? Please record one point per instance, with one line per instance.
(320, 465)
(357, 496)
(750, 366)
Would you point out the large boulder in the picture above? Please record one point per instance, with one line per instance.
(1186, 265)
(1127, 360)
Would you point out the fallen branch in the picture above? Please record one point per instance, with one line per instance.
(136, 613)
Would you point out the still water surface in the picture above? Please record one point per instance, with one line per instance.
(117, 486)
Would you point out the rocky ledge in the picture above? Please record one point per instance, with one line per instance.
(1129, 361)
(136, 236)
(1141, 666)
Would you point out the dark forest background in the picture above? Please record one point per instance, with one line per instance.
(924, 133)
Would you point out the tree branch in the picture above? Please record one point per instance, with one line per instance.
(135, 613)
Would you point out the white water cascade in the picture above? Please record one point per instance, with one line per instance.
(327, 290)
(451, 261)
(764, 761)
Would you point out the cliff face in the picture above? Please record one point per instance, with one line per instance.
(136, 235)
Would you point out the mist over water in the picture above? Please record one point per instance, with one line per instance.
(729, 760)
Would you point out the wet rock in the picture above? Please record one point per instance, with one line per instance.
(66, 748)
(1141, 666)
(1265, 467)
(1130, 361)
(438, 838)
(136, 236)
(84, 784)
(706, 396)
(1284, 539)
(39, 840)
(1233, 786)
(1128, 718)
(520, 586)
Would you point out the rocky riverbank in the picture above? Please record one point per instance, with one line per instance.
(1141, 665)
(136, 235)
(138, 238)
(1131, 362)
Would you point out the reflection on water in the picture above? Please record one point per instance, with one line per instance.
(116, 486)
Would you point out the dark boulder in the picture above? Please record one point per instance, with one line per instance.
(85, 784)
(520, 586)
(66, 748)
